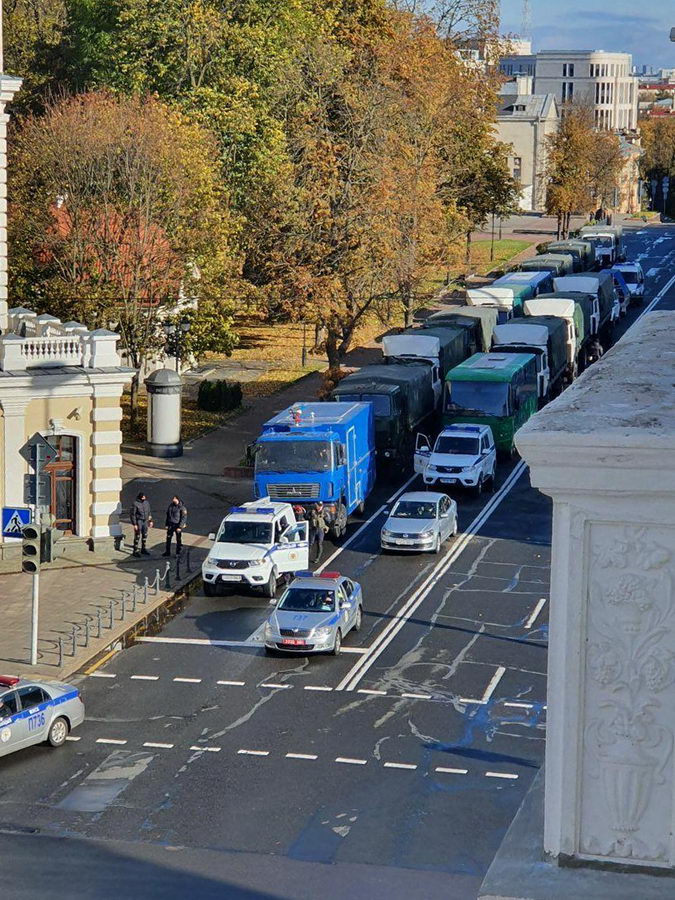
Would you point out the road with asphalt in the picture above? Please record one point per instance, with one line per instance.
(206, 769)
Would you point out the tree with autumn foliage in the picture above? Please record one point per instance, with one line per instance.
(117, 214)
(658, 161)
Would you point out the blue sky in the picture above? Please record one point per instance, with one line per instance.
(622, 25)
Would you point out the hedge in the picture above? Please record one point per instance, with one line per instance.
(219, 396)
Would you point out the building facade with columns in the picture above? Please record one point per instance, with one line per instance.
(64, 382)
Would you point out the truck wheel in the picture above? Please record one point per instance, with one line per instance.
(361, 508)
(209, 590)
(270, 588)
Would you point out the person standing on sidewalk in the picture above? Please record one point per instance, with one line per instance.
(176, 520)
(140, 516)
(317, 530)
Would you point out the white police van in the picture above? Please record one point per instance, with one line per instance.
(255, 545)
(463, 455)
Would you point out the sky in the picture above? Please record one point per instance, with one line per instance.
(642, 29)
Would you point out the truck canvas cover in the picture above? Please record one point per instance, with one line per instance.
(560, 263)
(419, 344)
(599, 284)
(585, 302)
(556, 338)
(583, 250)
(521, 332)
(453, 343)
(550, 306)
(413, 381)
(453, 314)
(497, 297)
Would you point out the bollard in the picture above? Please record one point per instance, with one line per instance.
(124, 606)
(133, 600)
(167, 576)
(98, 617)
(111, 613)
(156, 582)
(145, 590)
(86, 632)
(72, 637)
(60, 662)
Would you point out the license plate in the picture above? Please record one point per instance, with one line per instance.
(401, 541)
(293, 642)
(230, 577)
(448, 480)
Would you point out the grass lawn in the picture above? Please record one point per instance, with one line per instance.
(194, 421)
(481, 264)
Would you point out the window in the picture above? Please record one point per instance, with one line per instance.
(348, 587)
(517, 167)
(568, 70)
(64, 483)
(32, 696)
(597, 92)
(520, 107)
(567, 90)
(8, 705)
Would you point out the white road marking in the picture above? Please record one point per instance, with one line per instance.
(652, 272)
(109, 741)
(72, 738)
(520, 705)
(448, 771)
(188, 680)
(197, 642)
(206, 749)
(365, 525)
(232, 683)
(102, 675)
(253, 752)
(301, 756)
(359, 650)
(535, 612)
(661, 294)
(144, 677)
(366, 691)
(271, 684)
(393, 765)
(390, 631)
(350, 761)
(318, 687)
(500, 775)
(158, 746)
(417, 696)
(489, 690)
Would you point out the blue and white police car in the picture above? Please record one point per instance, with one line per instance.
(314, 614)
(35, 711)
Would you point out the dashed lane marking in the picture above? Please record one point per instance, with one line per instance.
(232, 683)
(301, 756)
(206, 749)
(447, 771)
(519, 705)
(158, 746)
(271, 684)
(500, 775)
(351, 762)
(73, 738)
(188, 680)
(317, 687)
(110, 741)
(368, 691)
(395, 765)
(489, 690)
(144, 677)
(102, 675)
(417, 696)
(532, 618)
(360, 650)
(253, 752)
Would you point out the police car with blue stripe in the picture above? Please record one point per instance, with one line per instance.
(255, 546)
(32, 712)
(314, 614)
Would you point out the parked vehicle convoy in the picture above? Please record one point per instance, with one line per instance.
(634, 277)
(600, 285)
(555, 263)
(321, 451)
(403, 400)
(420, 520)
(462, 456)
(314, 614)
(257, 543)
(546, 338)
(506, 301)
(34, 712)
(607, 241)
(495, 389)
(441, 348)
(582, 251)
(572, 314)
(478, 320)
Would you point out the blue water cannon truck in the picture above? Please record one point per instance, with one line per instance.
(318, 451)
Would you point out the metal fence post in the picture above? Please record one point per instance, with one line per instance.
(189, 560)
(98, 617)
(72, 637)
(133, 600)
(86, 632)
(145, 590)
(167, 576)
(111, 613)
(60, 662)
(156, 582)
(124, 605)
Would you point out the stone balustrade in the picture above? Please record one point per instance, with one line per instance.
(33, 341)
(605, 452)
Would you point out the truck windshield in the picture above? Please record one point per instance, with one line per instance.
(486, 398)
(307, 600)
(245, 533)
(414, 509)
(604, 241)
(293, 456)
(455, 443)
(381, 402)
(629, 277)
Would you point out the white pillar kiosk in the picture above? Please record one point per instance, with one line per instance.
(164, 413)
(605, 452)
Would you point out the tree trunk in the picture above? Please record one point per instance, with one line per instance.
(559, 229)
(133, 400)
(332, 351)
(408, 302)
(467, 257)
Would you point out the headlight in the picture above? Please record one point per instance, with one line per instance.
(268, 631)
(323, 632)
(431, 468)
(428, 533)
(386, 533)
(256, 562)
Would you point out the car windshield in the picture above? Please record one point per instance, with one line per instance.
(307, 600)
(381, 402)
(245, 533)
(293, 456)
(629, 277)
(414, 509)
(456, 443)
(487, 398)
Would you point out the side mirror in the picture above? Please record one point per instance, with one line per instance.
(283, 539)
(212, 536)
(424, 449)
(345, 605)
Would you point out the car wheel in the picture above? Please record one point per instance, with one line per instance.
(209, 590)
(455, 528)
(437, 548)
(493, 477)
(478, 489)
(358, 619)
(270, 588)
(58, 732)
(361, 508)
(337, 646)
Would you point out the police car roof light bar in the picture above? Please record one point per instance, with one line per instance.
(304, 574)
(330, 575)
(9, 680)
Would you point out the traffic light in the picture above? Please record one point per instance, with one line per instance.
(31, 548)
(50, 538)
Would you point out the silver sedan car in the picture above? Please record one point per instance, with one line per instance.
(420, 520)
(35, 711)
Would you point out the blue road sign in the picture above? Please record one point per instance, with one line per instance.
(13, 520)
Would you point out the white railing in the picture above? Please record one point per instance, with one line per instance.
(51, 351)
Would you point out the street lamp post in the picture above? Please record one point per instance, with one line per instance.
(175, 335)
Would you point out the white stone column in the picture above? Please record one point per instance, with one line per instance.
(8, 87)
(605, 452)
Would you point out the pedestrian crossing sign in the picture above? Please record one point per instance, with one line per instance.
(13, 520)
